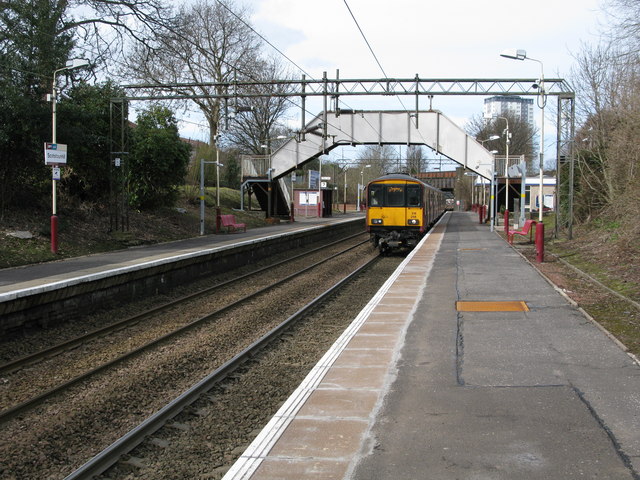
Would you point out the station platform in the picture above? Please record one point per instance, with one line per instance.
(20, 280)
(467, 364)
(39, 293)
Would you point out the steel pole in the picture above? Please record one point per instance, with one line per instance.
(542, 100)
(202, 196)
(217, 176)
(492, 196)
(54, 182)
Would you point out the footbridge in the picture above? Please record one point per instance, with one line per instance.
(329, 130)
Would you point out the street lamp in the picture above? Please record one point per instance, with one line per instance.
(361, 186)
(71, 64)
(518, 54)
(492, 137)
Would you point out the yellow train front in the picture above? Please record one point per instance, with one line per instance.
(400, 210)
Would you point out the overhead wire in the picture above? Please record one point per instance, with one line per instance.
(288, 59)
(364, 37)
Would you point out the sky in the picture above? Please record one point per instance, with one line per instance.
(454, 39)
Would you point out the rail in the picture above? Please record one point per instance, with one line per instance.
(108, 457)
(12, 412)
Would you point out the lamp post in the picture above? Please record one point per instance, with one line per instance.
(267, 147)
(71, 64)
(202, 164)
(506, 165)
(492, 194)
(360, 187)
(518, 54)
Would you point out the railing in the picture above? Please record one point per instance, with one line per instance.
(502, 165)
(255, 166)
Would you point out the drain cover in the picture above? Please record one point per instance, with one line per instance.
(510, 306)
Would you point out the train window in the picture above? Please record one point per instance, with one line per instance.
(395, 196)
(376, 193)
(413, 196)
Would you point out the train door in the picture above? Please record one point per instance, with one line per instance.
(413, 203)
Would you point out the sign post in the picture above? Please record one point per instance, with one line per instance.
(55, 154)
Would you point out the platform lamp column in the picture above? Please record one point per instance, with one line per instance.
(492, 196)
(518, 54)
(71, 64)
(203, 162)
(506, 165)
(218, 165)
(361, 187)
(267, 148)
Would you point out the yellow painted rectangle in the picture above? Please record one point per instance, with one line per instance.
(508, 306)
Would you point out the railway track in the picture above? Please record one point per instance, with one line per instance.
(123, 446)
(23, 361)
(17, 409)
(61, 432)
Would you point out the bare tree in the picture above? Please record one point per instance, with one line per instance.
(99, 28)
(381, 158)
(416, 160)
(607, 81)
(257, 121)
(624, 16)
(522, 135)
(211, 42)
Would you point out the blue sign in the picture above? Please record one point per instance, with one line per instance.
(314, 178)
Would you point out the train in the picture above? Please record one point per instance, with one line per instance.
(400, 209)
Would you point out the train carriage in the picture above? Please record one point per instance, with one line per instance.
(400, 210)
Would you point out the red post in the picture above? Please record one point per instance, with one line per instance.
(292, 216)
(54, 234)
(480, 213)
(506, 221)
(540, 242)
(217, 219)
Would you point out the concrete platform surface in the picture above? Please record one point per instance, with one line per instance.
(416, 389)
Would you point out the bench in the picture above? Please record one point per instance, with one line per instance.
(229, 221)
(526, 229)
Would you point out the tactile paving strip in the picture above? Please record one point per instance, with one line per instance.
(508, 306)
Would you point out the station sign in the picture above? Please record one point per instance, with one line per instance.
(314, 178)
(55, 153)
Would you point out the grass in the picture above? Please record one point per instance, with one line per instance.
(596, 252)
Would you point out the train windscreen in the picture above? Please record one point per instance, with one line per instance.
(385, 195)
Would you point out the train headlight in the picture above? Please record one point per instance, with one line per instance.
(376, 221)
(413, 221)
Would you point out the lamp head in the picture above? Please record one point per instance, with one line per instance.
(514, 54)
(77, 63)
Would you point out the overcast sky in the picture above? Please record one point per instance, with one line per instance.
(443, 39)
